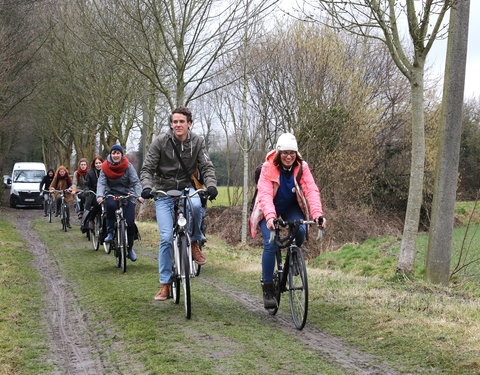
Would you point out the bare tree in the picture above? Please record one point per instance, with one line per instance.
(441, 228)
(379, 19)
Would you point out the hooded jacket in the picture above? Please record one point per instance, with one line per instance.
(162, 169)
(47, 180)
(308, 196)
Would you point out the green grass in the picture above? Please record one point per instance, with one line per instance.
(221, 337)
(227, 196)
(22, 343)
(418, 327)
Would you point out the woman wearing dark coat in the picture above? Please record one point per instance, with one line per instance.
(91, 205)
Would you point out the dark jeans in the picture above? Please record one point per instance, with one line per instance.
(128, 213)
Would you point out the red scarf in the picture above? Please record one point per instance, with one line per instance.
(115, 170)
(82, 172)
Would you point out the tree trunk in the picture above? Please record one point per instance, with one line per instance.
(415, 191)
(441, 229)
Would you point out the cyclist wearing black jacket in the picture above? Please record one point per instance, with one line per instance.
(44, 185)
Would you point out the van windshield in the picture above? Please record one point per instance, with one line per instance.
(28, 176)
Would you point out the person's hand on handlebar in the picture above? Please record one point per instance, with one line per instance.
(270, 224)
(212, 192)
(147, 193)
(100, 200)
(321, 222)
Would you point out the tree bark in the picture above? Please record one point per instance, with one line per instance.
(441, 229)
(417, 168)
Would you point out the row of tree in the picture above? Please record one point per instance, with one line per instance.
(355, 94)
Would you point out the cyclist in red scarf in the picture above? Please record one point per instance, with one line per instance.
(119, 177)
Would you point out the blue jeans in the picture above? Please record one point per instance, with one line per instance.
(165, 210)
(129, 215)
(270, 249)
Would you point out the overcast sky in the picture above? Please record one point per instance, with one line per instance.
(436, 57)
(472, 79)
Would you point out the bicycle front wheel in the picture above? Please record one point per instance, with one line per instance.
(122, 242)
(95, 232)
(50, 211)
(63, 215)
(298, 288)
(185, 274)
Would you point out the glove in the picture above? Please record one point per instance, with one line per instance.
(320, 221)
(147, 193)
(212, 192)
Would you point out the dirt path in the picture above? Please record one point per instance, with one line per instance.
(350, 359)
(74, 348)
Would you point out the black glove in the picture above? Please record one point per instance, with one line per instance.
(147, 193)
(319, 220)
(212, 192)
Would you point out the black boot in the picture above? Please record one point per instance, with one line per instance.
(269, 300)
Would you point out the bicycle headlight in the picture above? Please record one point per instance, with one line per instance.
(181, 221)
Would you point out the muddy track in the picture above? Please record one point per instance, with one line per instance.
(74, 348)
(349, 359)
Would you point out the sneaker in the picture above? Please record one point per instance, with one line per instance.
(131, 255)
(197, 254)
(163, 293)
(68, 225)
(109, 238)
(45, 214)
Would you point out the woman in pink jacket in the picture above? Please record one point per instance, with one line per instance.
(282, 193)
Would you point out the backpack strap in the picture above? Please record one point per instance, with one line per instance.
(177, 154)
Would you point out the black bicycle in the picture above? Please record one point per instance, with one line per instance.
(120, 240)
(64, 211)
(50, 204)
(291, 276)
(184, 267)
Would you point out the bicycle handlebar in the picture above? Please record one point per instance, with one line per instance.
(120, 197)
(175, 193)
(293, 226)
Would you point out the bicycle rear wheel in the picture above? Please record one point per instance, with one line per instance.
(277, 274)
(298, 288)
(185, 273)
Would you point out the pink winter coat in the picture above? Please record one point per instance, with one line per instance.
(308, 196)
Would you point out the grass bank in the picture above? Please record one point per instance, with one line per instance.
(22, 343)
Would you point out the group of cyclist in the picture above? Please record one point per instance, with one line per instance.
(286, 189)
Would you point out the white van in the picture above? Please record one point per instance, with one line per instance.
(25, 184)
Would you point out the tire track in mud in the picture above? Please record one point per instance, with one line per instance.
(74, 348)
(349, 359)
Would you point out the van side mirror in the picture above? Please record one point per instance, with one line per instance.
(9, 182)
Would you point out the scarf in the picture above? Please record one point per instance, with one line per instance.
(82, 172)
(115, 170)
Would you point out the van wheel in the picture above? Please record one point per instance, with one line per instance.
(13, 203)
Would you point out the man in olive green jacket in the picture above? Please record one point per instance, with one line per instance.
(162, 170)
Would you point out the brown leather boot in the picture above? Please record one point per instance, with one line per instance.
(163, 293)
(197, 254)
